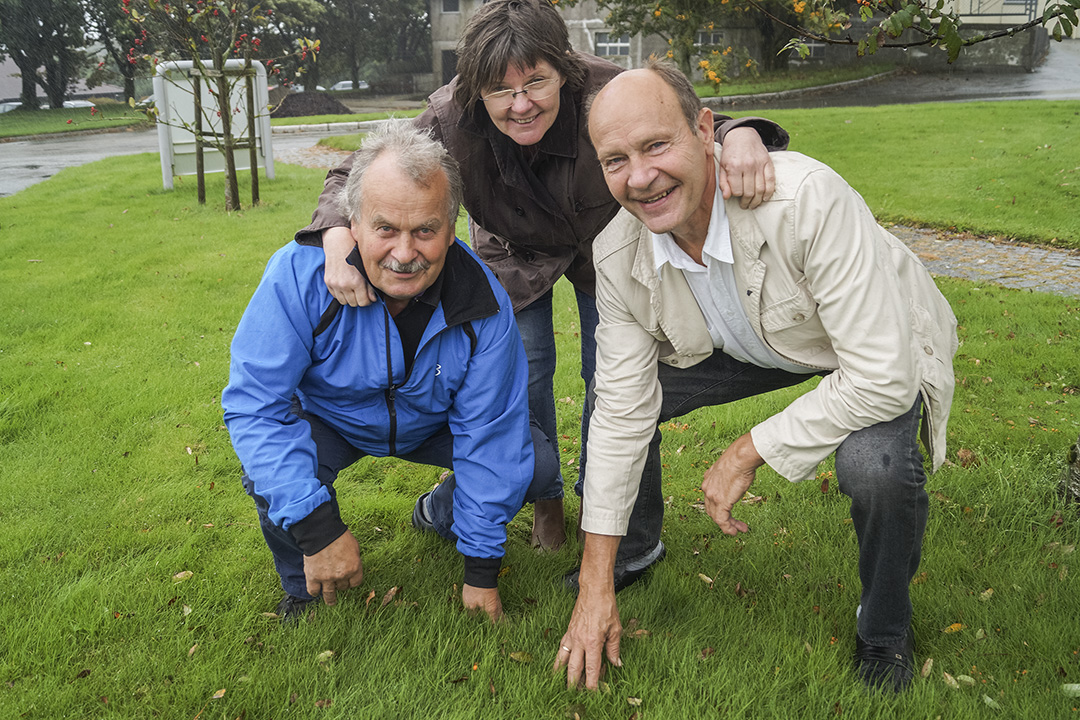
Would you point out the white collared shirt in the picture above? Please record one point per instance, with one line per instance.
(714, 289)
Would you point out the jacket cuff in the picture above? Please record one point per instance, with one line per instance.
(772, 135)
(322, 527)
(482, 572)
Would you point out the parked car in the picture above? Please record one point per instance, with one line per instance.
(9, 106)
(298, 88)
(78, 104)
(348, 85)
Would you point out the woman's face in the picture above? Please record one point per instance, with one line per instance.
(525, 104)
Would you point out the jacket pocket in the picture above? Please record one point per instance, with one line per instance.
(792, 325)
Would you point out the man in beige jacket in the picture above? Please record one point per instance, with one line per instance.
(703, 303)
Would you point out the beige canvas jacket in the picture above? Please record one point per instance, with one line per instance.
(821, 282)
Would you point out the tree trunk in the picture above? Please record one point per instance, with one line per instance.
(232, 188)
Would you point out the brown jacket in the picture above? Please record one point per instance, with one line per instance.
(532, 221)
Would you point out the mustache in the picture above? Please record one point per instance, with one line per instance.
(417, 265)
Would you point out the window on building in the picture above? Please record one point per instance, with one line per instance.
(817, 51)
(451, 6)
(705, 38)
(609, 44)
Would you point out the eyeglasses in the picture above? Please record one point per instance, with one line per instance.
(535, 91)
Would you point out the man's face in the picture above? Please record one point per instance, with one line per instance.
(654, 164)
(402, 232)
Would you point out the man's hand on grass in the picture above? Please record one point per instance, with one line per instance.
(727, 480)
(486, 599)
(336, 567)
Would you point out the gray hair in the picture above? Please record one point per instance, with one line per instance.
(418, 155)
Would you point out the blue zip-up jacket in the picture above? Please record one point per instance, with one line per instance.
(352, 376)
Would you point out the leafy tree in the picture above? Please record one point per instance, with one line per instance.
(210, 33)
(43, 34)
(126, 42)
(934, 23)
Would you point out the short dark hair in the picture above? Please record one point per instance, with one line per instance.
(689, 102)
(418, 155)
(513, 32)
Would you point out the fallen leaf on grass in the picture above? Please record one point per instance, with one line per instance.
(967, 458)
(980, 634)
(219, 694)
(325, 656)
(927, 667)
(182, 576)
(966, 680)
(491, 687)
(461, 679)
(638, 634)
(192, 650)
(706, 652)
(390, 595)
(82, 674)
(950, 681)
(186, 610)
(954, 628)
(825, 485)
(634, 701)
(742, 592)
(809, 649)
(705, 579)
(991, 702)
(753, 499)
(370, 597)
(324, 703)
(521, 656)
(1071, 689)
(986, 594)
(270, 615)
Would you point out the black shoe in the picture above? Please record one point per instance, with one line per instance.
(886, 668)
(420, 519)
(624, 578)
(292, 608)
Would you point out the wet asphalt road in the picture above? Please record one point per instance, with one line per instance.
(25, 162)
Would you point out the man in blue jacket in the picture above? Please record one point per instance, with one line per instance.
(432, 372)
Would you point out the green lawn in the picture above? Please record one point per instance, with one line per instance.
(791, 79)
(46, 121)
(120, 300)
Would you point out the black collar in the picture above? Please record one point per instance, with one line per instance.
(461, 287)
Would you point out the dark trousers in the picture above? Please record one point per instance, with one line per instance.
(880, 468)
(335, 454)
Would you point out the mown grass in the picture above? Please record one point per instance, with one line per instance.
(120, 301)
(791, 79)
(355, 117)
(47, 121)
(995, 168)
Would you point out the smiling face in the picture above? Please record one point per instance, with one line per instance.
(655, 165)
(526, 119)
(402, 230)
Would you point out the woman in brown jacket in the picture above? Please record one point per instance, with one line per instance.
(514, 120)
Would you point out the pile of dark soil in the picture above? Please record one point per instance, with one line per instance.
(309, 103)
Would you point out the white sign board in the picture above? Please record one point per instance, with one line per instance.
(174, 96)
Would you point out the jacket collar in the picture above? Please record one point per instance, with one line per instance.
(462, 287)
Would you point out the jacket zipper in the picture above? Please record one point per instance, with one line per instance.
(390, 387)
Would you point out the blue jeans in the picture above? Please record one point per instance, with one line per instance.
(335, 454)
(538, 335)
(880, 468)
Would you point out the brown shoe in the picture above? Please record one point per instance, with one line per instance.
(549, 524)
